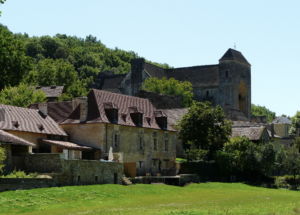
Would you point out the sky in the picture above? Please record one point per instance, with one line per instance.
(182, 34)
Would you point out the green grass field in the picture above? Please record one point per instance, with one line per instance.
(204, 198)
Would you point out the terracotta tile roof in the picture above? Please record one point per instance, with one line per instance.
(28, 120)
(253, 133)
(68, 145)
(126, 105)
(58, 111)
(52, 91)
(232, 54)
(6, 137)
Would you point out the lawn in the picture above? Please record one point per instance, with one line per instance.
(204, 198)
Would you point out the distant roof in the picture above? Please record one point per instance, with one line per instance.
(111, 83)
(235, 115)
(160, 101)
(51, 91)
(68, 145)
(58, 111)
(28, 120)
(253, 133)
(6, 137)
(232, 54)
(96, 111)
(174, 115)
(281, 120)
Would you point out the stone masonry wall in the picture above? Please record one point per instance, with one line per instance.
(84, 172)
(25, 183)
(44, 163)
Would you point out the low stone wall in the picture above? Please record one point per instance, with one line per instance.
(44, 163)
(25, 183)
(86, 172)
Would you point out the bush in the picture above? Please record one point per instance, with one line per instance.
(20, 174)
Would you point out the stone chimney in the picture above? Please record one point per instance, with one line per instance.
(43, 107)
(83, 102)
(272, 130)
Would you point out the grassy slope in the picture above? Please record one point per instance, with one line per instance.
(217, 198)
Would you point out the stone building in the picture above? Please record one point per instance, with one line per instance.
(228, 82)
(282, 126)
(133, 127)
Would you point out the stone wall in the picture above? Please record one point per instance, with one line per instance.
(282, 130)
(210, 94)
(25, 183)
(87, 172)
(44, 163)
(146, 157)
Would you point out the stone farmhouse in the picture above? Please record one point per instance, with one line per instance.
(225, 83)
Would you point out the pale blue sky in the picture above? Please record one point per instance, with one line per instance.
(183, 33)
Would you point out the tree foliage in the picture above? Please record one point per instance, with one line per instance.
(21, 96)
(241, 156)
(14, 64)
(2, 2)
(194, 155)
(257, 110)
(2, 158)
(171, 87)
(280, 159)
(292, 162)
(295, 120)
(205, 126)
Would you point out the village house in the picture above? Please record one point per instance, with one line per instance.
(52, 92)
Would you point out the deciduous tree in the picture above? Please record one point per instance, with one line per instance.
(295, 120)
(292, 162)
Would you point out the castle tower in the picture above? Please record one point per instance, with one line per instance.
(235, 82)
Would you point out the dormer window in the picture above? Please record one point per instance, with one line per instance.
(111, 111)
(148, 121)
(124, 117)
(40, 126)
(136, 116)
(15, 124)
(161, 119)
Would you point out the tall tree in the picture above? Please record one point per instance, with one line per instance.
(171, 87)
(295, 120)
(21, 96)
(205, 126)
(13, 62)
(292, 162)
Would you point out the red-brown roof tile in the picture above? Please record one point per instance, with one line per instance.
(126, 105)
(28, 120)
(6, 137)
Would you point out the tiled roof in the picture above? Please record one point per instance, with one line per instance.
(174, 115)
(281, 120)
(126, 105)
(28, 120)
(232, 54)
(253, 133)
(68, 145)
(160, 101)
(111, 83)
(52, 91)
(6, 137)
(154, 71)
(56, 110)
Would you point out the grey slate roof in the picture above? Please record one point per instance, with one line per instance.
(232, 54)
(253, 133)
(111, 83)
(154, 71)
(51, 91)
(281, 120)
(174, 115)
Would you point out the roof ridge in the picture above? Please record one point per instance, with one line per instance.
(208, 65)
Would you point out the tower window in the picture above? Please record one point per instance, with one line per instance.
(240, 97)
(226, 73)
(141, 143)
(155, 144)
(207, 93)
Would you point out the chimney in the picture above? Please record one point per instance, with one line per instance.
(43, 107)
(83, 102)
(272, 130)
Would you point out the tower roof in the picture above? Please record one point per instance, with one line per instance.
(232, 54)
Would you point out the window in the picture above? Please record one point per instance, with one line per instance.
(155, 144)
(78, 178)
(149, 121)
(116, 140)
(226, 74)
(207, 93)
(115, 115)
(141, 143)
(140, 163)
(154, 162)
(166, 164)
(124, 118)
(96, 178)
(140, 122)
(166, 145)
(240, 97)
